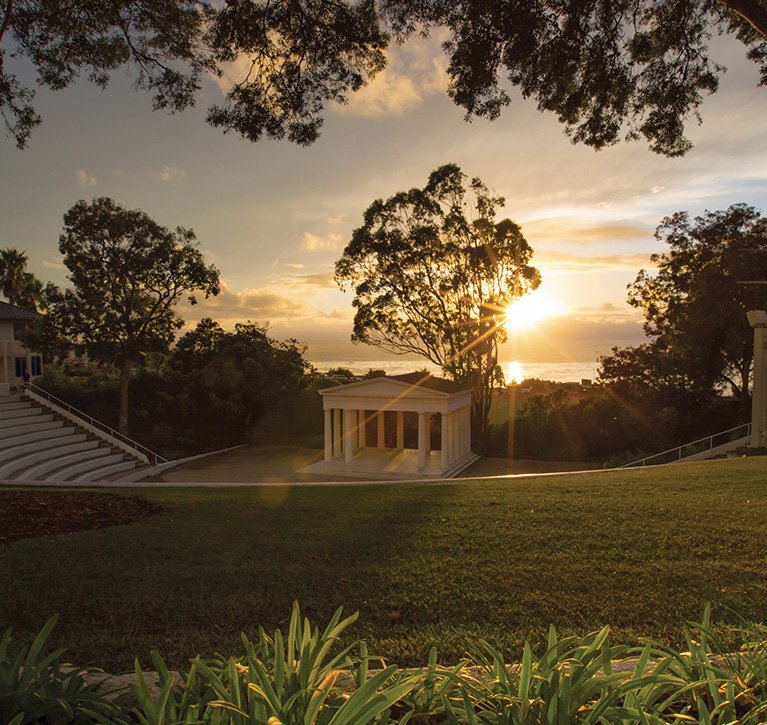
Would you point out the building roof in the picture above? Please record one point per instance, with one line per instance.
(16, 314)
(431, 382)
(414, 382)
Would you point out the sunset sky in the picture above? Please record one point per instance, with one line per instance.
(274, 217)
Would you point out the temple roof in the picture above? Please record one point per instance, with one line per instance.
(431, 382)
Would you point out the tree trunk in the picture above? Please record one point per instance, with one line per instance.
(122, 426)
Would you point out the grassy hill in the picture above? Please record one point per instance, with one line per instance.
(425, 564)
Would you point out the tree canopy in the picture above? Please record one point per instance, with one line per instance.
(695, 308)
(433, 273)
(127, 274)
(607, 70)
(18, 286)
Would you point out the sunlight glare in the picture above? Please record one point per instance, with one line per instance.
(531, 309)
(514, 373)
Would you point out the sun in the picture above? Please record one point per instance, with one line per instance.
(515, 373)
(526, 312)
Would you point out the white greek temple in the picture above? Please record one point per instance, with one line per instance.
(398, 427)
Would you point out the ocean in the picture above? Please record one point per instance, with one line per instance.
(560, 372)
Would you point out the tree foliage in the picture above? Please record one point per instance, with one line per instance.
(245, 371)
(695, 310)
(127, 274)
(212, 390)
(433, 274)
(607, 70)
(18, 286)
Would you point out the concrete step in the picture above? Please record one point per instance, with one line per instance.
(29, 460)
(12, 398)
(44, 431)
(102, 473)
(12, 415)
(139, 473)
(54, 469)
(15, 405)
(40, 422)
(62, 436)
(33, 415)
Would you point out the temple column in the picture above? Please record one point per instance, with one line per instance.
(354, 430)
(381, 431)
(467, 429)
(400, 429)
(454, 436)
(363, 428)
(422, 441)
(348, 435)
(328, 435)
(445, 451)
(336, 432)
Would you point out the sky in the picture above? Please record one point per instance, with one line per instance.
(274, 217)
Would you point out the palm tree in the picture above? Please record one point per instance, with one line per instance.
(18, 286)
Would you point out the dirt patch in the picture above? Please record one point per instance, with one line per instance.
(26, 514)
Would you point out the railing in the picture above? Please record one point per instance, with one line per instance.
(97, 425)
(694, 447)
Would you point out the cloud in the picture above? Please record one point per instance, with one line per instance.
(257, 304)
(313, 243)
(323, 280)
(572, 229)
(572, 265)
(413, 72)
(53, 265)
(84, 179)
(169, 173)
(335, 220)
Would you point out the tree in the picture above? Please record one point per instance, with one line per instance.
(127, 274)
(637, 68)
(19, 287)
(239, 377)
(694, 308)
(430, 280)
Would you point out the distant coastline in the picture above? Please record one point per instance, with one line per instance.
(559, 372)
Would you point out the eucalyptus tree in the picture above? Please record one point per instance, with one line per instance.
(433, 274)
(607, 70)
(127, 274)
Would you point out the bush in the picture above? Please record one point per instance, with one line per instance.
(303, 677)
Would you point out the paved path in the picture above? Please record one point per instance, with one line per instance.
(277, 466)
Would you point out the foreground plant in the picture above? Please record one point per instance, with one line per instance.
(36, 688)
(305, 678)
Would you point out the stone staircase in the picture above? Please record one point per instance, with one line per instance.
(37, 444)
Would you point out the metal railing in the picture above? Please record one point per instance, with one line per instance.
(694, 447)
(151, 456)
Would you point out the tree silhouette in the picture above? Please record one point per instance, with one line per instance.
(433, 274)
(607, 70)
(127, 274)
(694, 308)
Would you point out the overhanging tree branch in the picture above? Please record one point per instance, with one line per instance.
(753, 11)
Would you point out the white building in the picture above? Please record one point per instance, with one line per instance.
(369, 424)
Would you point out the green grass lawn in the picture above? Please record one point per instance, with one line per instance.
(427, 564)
